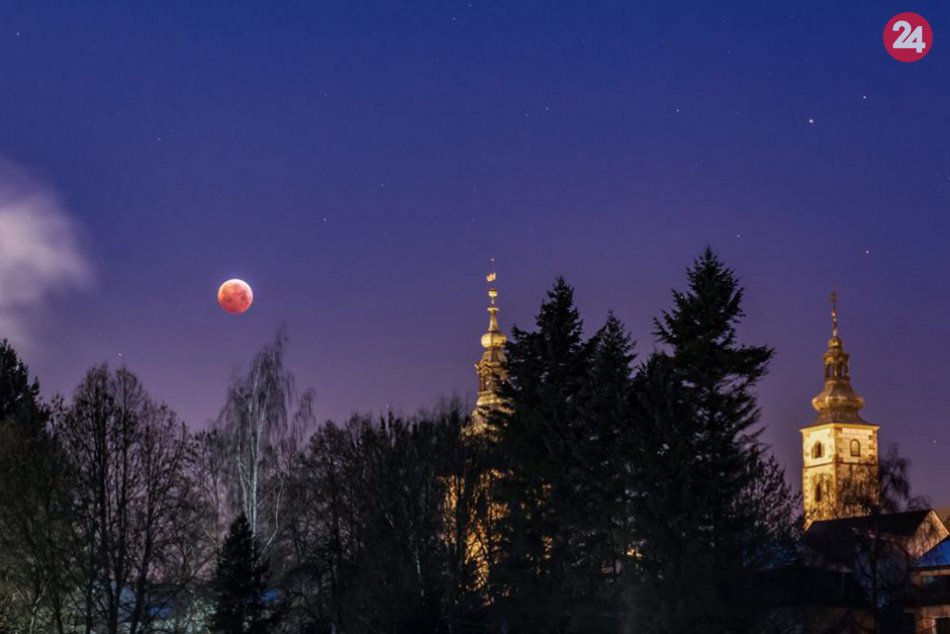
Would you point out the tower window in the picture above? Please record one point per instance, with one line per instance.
(818, 488)
(855, 448)
(817, 450)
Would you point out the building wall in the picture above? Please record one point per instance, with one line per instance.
(835, 467)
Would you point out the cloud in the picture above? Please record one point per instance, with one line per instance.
(40, 251)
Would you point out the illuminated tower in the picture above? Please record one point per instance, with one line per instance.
(491, 367)
(479, 536)
(840, 452)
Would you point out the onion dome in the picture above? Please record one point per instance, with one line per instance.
(837, 402)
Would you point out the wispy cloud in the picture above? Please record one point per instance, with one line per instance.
(40, 251)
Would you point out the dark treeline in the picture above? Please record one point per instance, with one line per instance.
(611, 493)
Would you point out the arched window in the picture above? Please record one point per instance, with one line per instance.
(817, 451)
(855, 448)
(818, 492)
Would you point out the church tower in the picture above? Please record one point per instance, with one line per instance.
(840, 452)
(491, 367)
(480, 540)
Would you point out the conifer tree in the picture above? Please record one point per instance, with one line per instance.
(698, 453)
(19, 393)
(600, 527)
(34, 515)
(240, 584)
(536, 439)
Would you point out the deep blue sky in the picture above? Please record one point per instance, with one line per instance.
(359, 163)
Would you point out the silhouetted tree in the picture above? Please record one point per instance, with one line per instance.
(600, 528)
(882, 562)
(536, 437)
(372, 551)
(240, 585)
(708, 497)
(132, 500)
(563, 474)
(20, 402)
(35, 483)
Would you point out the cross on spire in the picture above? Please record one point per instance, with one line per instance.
(834, 313)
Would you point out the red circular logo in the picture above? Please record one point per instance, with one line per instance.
(908, 37)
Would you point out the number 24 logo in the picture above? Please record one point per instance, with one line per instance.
(914, 39)
(910, 37)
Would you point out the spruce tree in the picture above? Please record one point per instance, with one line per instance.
(665, 506)
(708, 492)
(599, 526)
(564, 474)
(36, 486)
(240, 584)
(19, 393)
(537, 436)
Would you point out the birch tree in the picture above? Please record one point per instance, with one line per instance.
(262, 435)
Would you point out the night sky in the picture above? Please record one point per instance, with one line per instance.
(360, 163)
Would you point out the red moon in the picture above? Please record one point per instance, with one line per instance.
(235, 296)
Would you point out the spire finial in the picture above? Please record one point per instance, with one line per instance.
(834, 313)
(491, 277)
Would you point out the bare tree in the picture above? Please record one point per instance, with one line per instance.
(35, 544)
(261, 436)
(883, 558)
(133, 502)
(210, 474)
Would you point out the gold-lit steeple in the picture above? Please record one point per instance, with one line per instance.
(480, 542)
(839, 449)
(491, 370)
(837, 402)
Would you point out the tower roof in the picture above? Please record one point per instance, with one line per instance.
(837, 402)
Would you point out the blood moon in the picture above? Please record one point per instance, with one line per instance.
(235, 296)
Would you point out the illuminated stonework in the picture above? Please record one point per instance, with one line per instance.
(839, 450)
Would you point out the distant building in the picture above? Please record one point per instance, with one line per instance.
(871, 565)
(930, 577)
(839, 449)
(479, 541)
